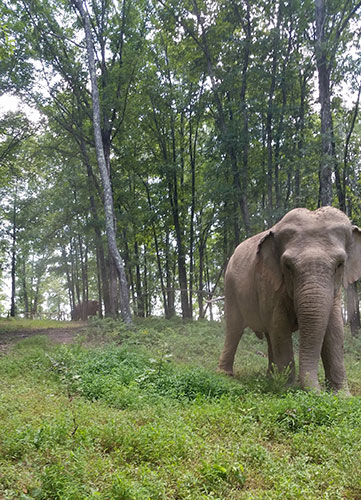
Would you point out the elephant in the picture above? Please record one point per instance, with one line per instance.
(83, 310)
(289, 278)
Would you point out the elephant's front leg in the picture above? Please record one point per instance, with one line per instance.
(282, 351)
(280, 340)
(332, 350)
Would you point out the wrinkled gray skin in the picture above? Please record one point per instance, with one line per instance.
(289, 278)
(90, 309)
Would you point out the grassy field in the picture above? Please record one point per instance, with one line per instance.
(141, 414)
(11, 324)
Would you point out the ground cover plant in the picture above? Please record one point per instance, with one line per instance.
(141, 414)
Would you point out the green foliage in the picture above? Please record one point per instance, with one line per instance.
(210, 128)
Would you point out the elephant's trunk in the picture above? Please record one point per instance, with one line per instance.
(313, 303)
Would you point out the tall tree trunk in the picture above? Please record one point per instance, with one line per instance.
(75, 268)
(245, 20)
(34, 310)
(270, 118)
(108, 195)
(348, 202)
(138, 284)
(146, 295)
(170, 311)
(70, 282)
(300, 134)
(104, 292)
(174, 201)
(157, 251)
(84, 304)
(99, 283)
(323, 70)
(13, 253)
(280, 128)
(200, 279)
(113, 286)
(192, 157)
(25, 291)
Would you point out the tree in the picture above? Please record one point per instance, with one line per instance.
(330, 27)
(107, 190)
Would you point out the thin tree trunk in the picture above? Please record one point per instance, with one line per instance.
(84, 304)
(25, 291)
(245, 21)
(108, 195)
(99, 283)
(192, 157)
(34, 311)
(323, 69)
(75, 268)
(70, 283)
(170, 312)
(138, 284)
(159, 264)
(270, 118)
(86, 272)
(280, 127)
(200, 279)
(96, 224)
(300, 131)
(13, 254)
(174, 201)
(147, 296)
(113, 286)
(348, 208)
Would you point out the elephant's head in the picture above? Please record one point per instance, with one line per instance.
(311, 254)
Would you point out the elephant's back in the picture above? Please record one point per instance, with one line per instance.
(243, 260)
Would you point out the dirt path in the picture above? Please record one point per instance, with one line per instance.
(57, 335)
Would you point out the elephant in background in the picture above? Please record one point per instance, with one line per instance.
(289, 278)
(85, 309)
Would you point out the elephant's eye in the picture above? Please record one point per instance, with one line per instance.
(339, 265)
(288, 266)
(287, 263)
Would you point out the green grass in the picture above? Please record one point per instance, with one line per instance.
(144, 416)
(15, 324)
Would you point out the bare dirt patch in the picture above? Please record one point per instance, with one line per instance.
(56, 335)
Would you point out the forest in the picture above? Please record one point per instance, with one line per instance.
(140, 142)
(151, 137)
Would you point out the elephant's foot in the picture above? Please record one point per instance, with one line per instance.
(344, 393)
(341, 389)
(309, 383)
(225, 371)
(286, 374)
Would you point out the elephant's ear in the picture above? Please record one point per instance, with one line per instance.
(353, 262)
(269, 261)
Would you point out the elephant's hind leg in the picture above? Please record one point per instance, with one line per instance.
(234, 330)
(271, 361)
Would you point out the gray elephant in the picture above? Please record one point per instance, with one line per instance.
(289, 278)
(84, 310)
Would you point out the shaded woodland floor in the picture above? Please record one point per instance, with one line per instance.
(56, 335)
